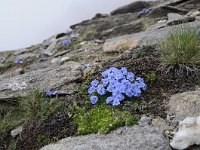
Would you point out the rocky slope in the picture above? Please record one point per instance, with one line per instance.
(125, 38)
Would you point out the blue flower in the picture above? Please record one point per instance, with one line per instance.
(130, 76)
(144, 11)
(91, 90)
(18, 61)
(124, 71)
(94, 83)
(101, 90)
(94, 99)
(109, 100)
(115, 102)
(66, 42)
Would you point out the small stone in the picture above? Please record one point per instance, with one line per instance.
(144, 121)
(17, 131)
(174, 16)
(161, 123)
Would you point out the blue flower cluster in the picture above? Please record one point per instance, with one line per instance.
(117, 83)
(66, 42)
(144, 11)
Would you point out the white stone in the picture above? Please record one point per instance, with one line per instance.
(16, 131)
(188, 133)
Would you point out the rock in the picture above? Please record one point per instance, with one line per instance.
(188, 133)
(161, 123)
(17, 131)
(126, 138)
(194, 13)
(184, 19)
(113, 45)
(184, 105)
(60, 35)
(174, 16)
(26, 56)
(99, 15)
(161, 12)
(131, 8)
(189, 4)
(130, 28)
(52, 77)
(98, 25)
(64, 59)
(144, 121)
(18, 71)
(71, 64)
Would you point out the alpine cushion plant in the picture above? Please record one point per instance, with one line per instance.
(117, 84)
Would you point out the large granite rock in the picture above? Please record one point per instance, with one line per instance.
(162, 11)
(152, 37)
(129, 28)
(126, 138)
(131, 8)
(52, 77)
(184, 105)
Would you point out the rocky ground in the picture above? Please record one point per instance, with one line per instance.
(127, 37)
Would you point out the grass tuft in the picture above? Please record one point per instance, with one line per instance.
(180, 47)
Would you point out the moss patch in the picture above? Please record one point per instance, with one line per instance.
(103, 119)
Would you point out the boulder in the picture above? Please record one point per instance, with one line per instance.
(162, 11)
(184, 105)
(131, 8)
(126, 138)
(188, 133)
(129, 28)
(116, 45)
(184, 19)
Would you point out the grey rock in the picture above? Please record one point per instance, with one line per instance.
(194, 13)
(130, 28)
(99, 15)
(182, 20)
(184, 105)
(26, 56)
(103, 24)
(115, 45)
(174, 16)
(133, 7)
(161, 123)
(144, 121)
(161, 12)
(126, 138)
(152, 37)
(52, 77)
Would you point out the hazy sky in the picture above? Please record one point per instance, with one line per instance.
(27, 22)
